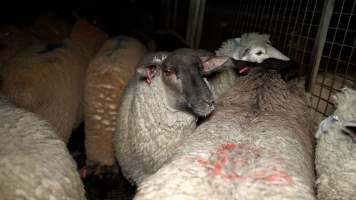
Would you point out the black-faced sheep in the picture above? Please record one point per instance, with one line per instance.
(160, 139)
(218, 82)
(107, 76)
(256, 145)
(159, 109)
(34, 162)
(336, 150)
(49, 79)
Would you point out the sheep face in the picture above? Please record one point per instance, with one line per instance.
(183, 78)
(258, 53)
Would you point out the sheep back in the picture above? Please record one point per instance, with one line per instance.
(107, 76)
(336, 153)
(34, 162)
(50, 84)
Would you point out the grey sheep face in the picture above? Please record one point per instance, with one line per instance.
(258, 47)
(260, 52)
(183, 78)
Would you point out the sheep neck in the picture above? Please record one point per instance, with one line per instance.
(258, 94)
(158, 122)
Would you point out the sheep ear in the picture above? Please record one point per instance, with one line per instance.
(275, 53)
(149, 66)
(215, 63)
(245, 52)
(148, 72)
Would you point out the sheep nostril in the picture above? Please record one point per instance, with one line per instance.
(209, 102)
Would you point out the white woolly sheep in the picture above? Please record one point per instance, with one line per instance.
(256, 145)
(253, 47)
(336, 150)
(49, 79)
(107, 76)
(34, 163)
(156, 110)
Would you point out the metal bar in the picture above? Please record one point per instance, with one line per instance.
(191, 22)
(200, 22)
(195, 22)
(174, 16)
(307, 40)
(294, 27)
(285, 44)
(319, 43)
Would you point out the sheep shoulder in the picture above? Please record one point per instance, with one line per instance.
(145, 115)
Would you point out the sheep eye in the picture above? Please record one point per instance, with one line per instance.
(168, 72)
(259, 53)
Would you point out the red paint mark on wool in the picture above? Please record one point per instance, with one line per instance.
(230, 158)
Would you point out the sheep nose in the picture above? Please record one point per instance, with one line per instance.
(209, 102)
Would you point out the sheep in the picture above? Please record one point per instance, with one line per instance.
(14, 39)
(51, 28)
(158, 110)
(152, 159)
(34, 163)
(256, 145)
(336, 151)
(107, 75)
(252, 47)
(49, 79)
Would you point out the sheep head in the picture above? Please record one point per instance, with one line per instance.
(183, 78)
(257, 47)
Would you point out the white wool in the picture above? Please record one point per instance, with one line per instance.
(112, 106)
(106, 86)
(96, 117)
(159, 59)
(106, 122)
(230, 48)
(34, 162)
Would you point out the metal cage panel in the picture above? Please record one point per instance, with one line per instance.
(297, 28)
(338, 61)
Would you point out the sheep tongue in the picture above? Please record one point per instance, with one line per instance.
(244, 70)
